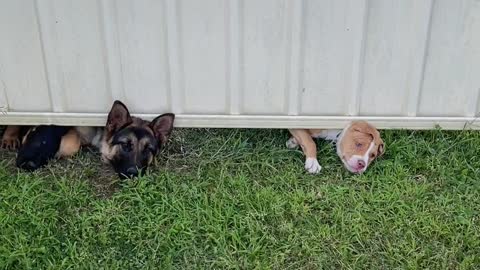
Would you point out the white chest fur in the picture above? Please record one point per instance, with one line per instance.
(329, 134)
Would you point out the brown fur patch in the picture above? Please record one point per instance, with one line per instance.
(108, 151)
(358, 138)
(24, 139)
(143, 143)
(11, 137)
(70, 144)
(87, 134)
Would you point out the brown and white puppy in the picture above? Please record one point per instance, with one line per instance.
(358, 144)
(128, 143)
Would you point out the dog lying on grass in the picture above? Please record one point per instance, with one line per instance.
(358, 144)
(129, 144)
(39, 144)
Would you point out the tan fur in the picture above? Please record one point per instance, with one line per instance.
(108, 150)
(305, 140)
(150, 159)
(128, 155)
(70, 144)
(11, 139)
(357, 140)
(143, 143)
(24, 138)
(86, 134)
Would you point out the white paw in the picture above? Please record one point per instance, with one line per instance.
(312, 165)
(292, 143)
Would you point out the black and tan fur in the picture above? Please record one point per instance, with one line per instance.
(129, 144)
(39, 144)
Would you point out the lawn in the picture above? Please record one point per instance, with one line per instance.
(240, 199)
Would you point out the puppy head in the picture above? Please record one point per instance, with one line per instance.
(39, 145)
(132, 143)
(359, 145)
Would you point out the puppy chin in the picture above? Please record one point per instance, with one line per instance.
(351, 168)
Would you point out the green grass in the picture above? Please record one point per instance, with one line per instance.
(239, 199)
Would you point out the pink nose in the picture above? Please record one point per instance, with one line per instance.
(361, 164)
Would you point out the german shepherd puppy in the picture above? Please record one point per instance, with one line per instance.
(128, 143)
(39, 144)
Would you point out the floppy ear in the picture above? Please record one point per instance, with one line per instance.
(381, 149)
(377, 140)
(162, 127)
(118, 117)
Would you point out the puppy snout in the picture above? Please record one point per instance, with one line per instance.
(361, 164)
(29, 165)
(132, 172)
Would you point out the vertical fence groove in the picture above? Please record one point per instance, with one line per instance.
(294, 55)
(168, 90)
(415, 89)
(175, 54)
(111, 48)
(476, 113)
(49, 57)
(241, 56)
(359, 59)
(4, 104)
(233, 59)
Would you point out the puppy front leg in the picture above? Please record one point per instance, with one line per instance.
(11, 137)
(302, 137)
(292, 143)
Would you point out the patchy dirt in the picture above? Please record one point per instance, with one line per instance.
(87, 166)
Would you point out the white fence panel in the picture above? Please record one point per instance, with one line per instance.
(242, 63)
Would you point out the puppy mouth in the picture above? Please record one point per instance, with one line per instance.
(358, 171)
(29, 165)
(353, 169)
(131, 174)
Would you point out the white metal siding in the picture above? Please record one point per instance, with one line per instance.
(242, 63)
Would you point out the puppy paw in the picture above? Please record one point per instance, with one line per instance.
(10, 143)
(292, 143)
(312, 165)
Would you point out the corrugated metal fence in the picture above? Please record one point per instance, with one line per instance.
(251, 63)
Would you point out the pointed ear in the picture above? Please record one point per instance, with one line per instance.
(118, 117)
(162, 127)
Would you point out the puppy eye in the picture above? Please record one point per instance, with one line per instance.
(149, 148)
(372, 155)
(126, 147)
(358, 145)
